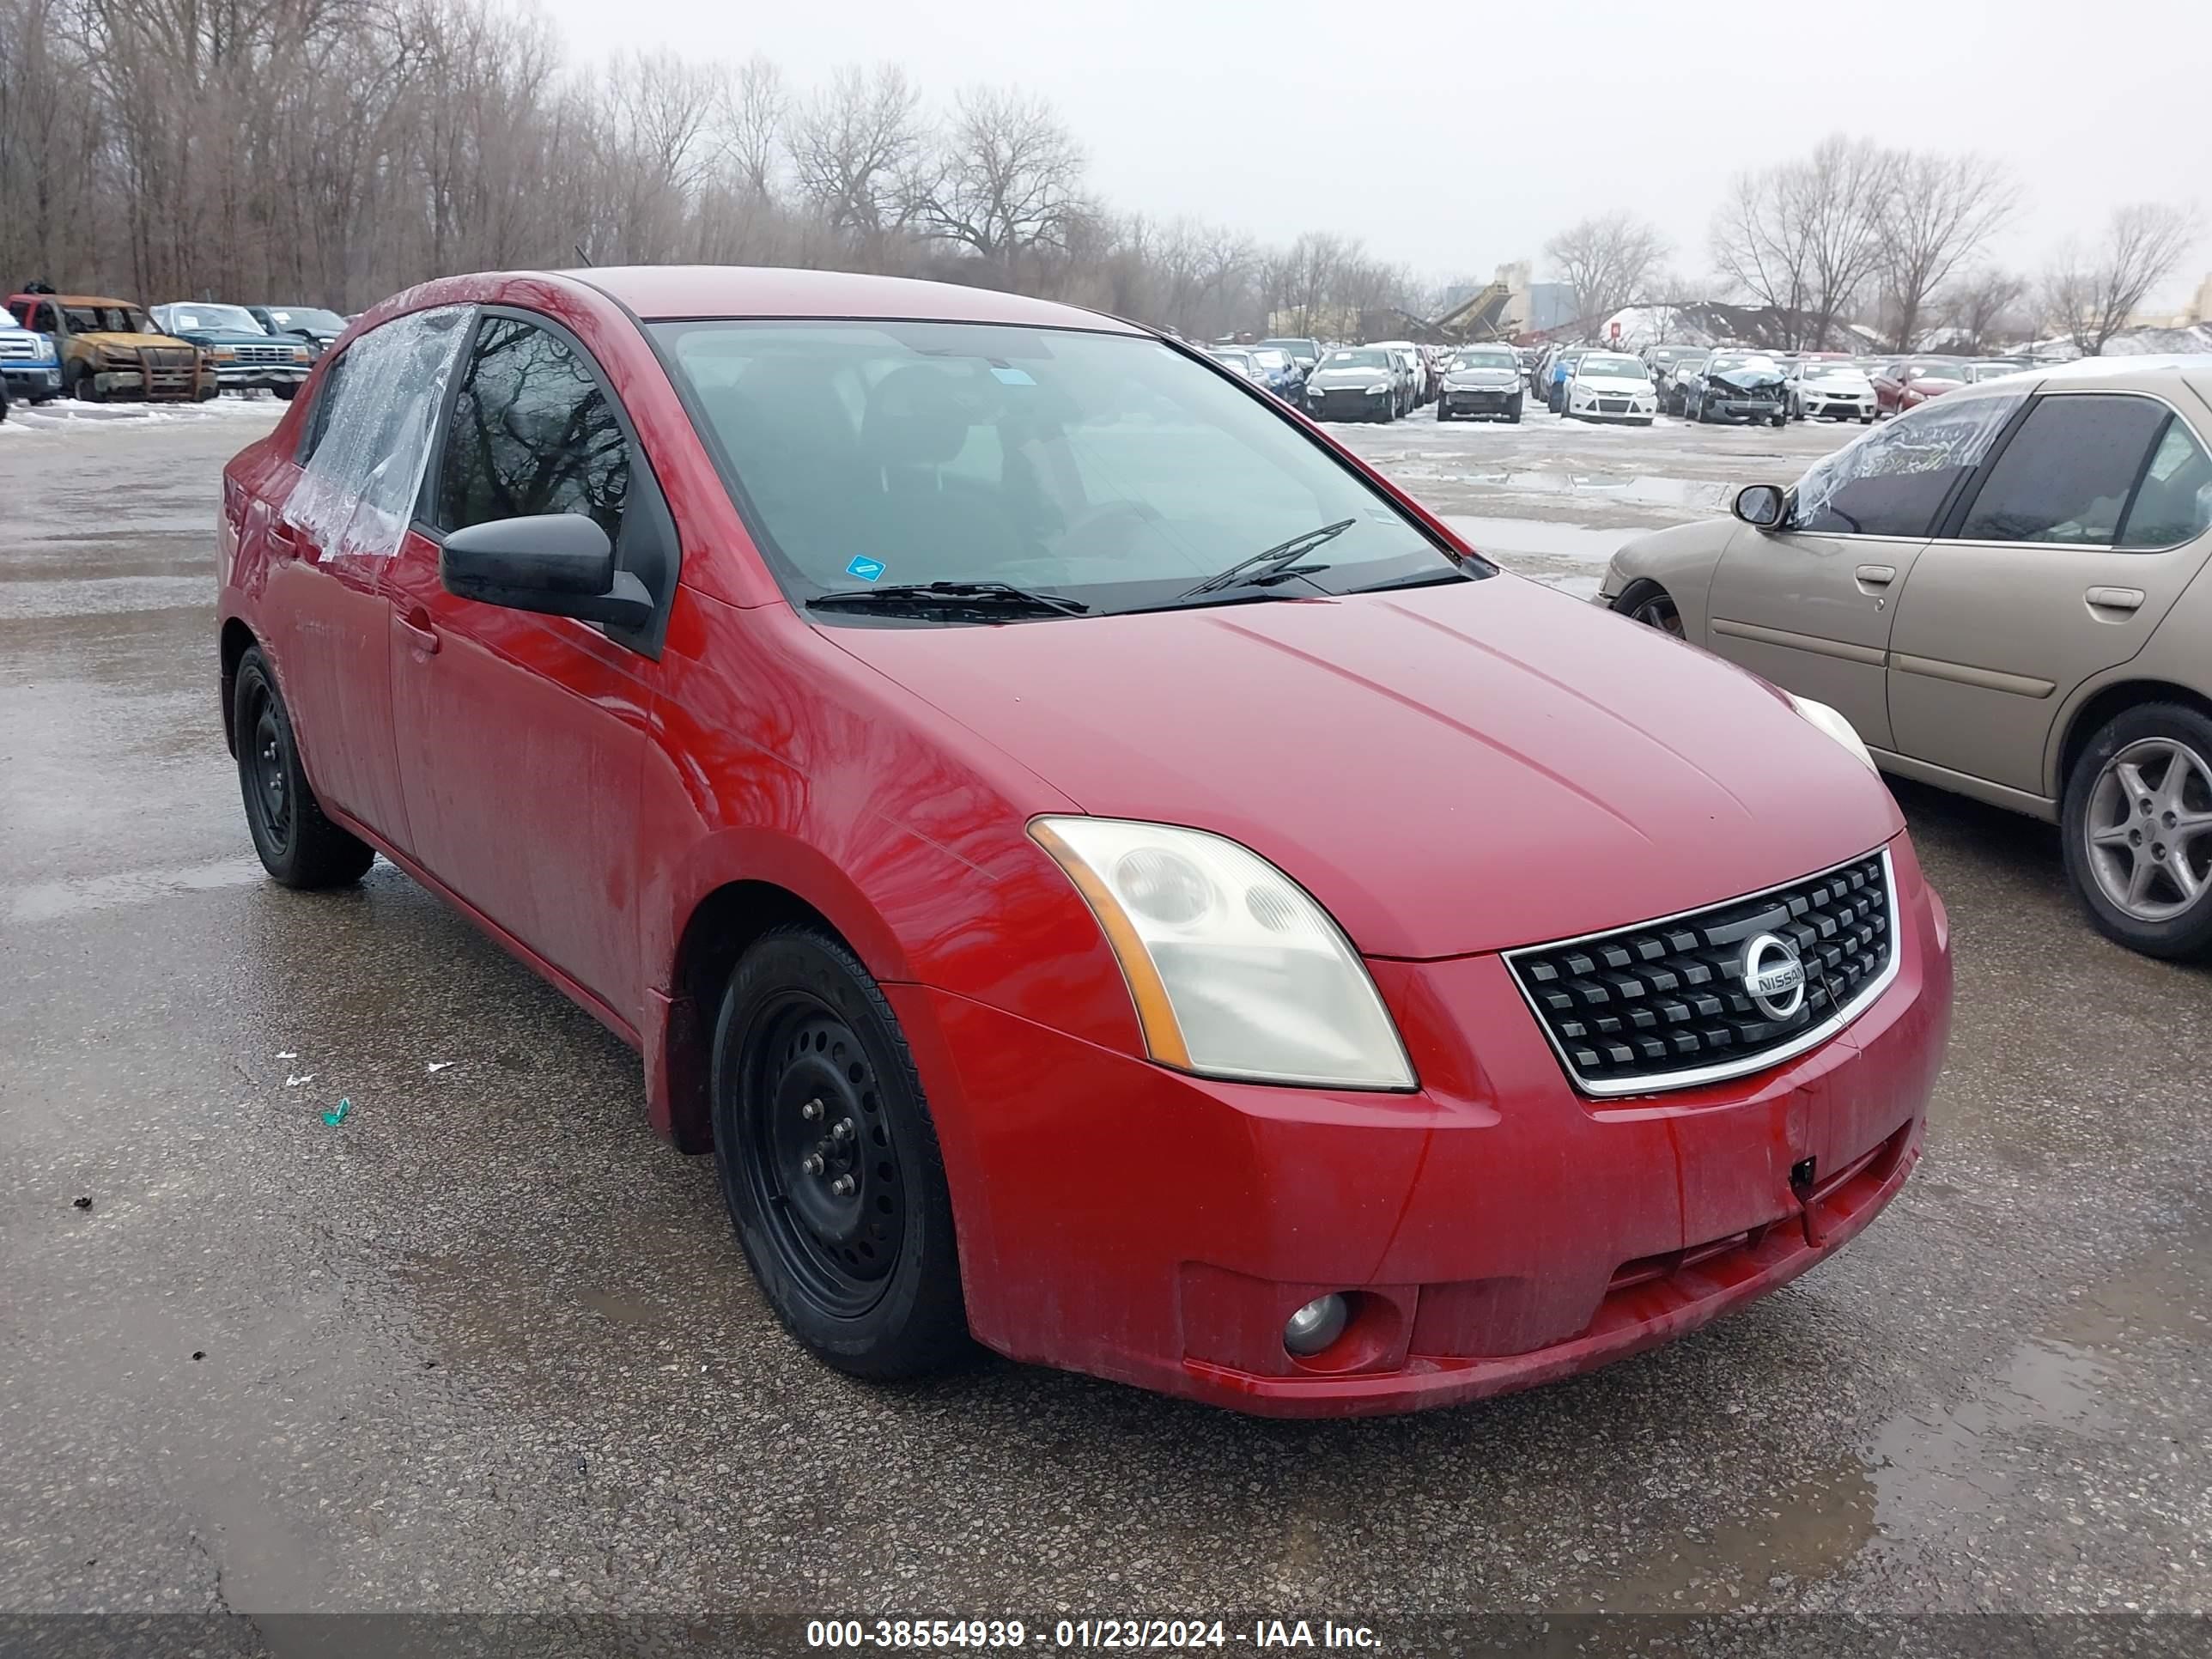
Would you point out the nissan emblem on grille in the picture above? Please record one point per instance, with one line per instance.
(1773, 977)
(1719, 991)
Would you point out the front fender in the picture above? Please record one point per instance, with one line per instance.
(1681, 559)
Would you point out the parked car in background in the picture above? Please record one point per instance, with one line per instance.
(110, 349)
(1660, 359)
(246, 357)
(1907, 382)
(1995, 368)
(1736, 385)
(1238, 361)
(1557, 374)
(1674, 388)
(317, 326)
(1279, 372)
(1355, 383)
(1829, 389)
(1411, 378)
(1322, 1109)
(1304, 353)
(2004, 592)
(1481, 379)
(1610, 386)
(30, 367)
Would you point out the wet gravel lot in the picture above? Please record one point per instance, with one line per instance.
(488, 1346)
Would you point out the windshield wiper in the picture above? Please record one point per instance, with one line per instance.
(950, 595)
(1450, 572)
(1272, 563)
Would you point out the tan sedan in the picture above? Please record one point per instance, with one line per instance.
(2004, 592)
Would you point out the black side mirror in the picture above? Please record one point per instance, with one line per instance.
(1761, 505)
(559, 564)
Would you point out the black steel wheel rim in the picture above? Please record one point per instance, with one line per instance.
(267, 789)
(822, 1157)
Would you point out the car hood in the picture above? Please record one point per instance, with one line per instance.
(1482, 377)
(1350, 376)
(1839, 383)
(1933, 388)
(123, 341)
(1745, 379)
(230, 337)
(1616, 383)
(1448, 770)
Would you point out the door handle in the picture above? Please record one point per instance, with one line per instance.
(1877, 575)
(421, 636)
(2115, 599)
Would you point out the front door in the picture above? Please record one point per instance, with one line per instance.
(522, 736)
(2083, 533)
(1809, 605)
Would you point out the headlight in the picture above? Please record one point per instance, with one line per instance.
(225, 354)
(299, 353)
(1834, 723)
(1234, 970)
(1378, 388)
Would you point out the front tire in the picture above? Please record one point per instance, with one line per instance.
(2137, 830)
(830, 1163)
(1513, 413)
(285, 391)
(1648, 603)
(298, 845)
(83, 387)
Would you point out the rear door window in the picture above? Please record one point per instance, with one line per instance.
(368, 441)
(2068, 473)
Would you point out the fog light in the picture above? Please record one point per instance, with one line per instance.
(1316, 1325)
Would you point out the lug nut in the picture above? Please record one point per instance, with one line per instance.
(812, 1164)
(812, 1110)
(842, 1186)
(842, 1129)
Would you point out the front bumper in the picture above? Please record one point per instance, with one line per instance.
(253, 377)
(28, 380)
(1494, 1231)
(1479, 399)
(1837, 408)
(1335, 405)
(1613, 408)
(1743, 408)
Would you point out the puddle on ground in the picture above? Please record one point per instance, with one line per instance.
(1566, 541)
(44, 900)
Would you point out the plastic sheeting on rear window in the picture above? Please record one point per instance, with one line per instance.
(359, 486)
(1893, 481)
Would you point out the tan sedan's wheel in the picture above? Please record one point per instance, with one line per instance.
(2139, 829)
(1649, 604)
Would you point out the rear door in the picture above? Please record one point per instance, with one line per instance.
(1809, 605)
(2080, 538)
(330, 543)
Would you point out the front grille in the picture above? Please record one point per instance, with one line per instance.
(1664, 1005)
(17, 345)
(1613, 405)
(265, 353)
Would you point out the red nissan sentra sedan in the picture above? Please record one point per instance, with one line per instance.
(1101, 870)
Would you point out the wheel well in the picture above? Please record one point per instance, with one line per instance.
(2108, 702)
(717, 934)
(237, 640)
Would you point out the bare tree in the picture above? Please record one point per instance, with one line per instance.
(852, 149)
(1806, 237)
(2090, 296)
(1608, 262)
(1008, 180)
(753, 113)
(1939, 212)
(1982, 304)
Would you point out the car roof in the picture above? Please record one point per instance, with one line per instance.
(658, 293)
(75, 299)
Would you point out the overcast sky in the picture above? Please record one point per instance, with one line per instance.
(1453, 135)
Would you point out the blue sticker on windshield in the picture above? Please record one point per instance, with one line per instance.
(1013, 376)
(866, 569)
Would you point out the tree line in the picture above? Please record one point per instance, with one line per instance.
(332, 152)
(1897, 237)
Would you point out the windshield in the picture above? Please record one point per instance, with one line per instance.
(1935, 372)
(1369, 358)
(1304, 351)
(1268, 359)
(107, 319)
(1992, 371)
(232, 319)
(1492, 357)
(1831, 371)
(1600, 364)
(1745, 360)
(1106, 468)
(314, 317)
(1234, 359)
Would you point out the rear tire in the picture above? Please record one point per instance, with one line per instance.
(867, 1277)
(299, 846)
(2143, 746)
